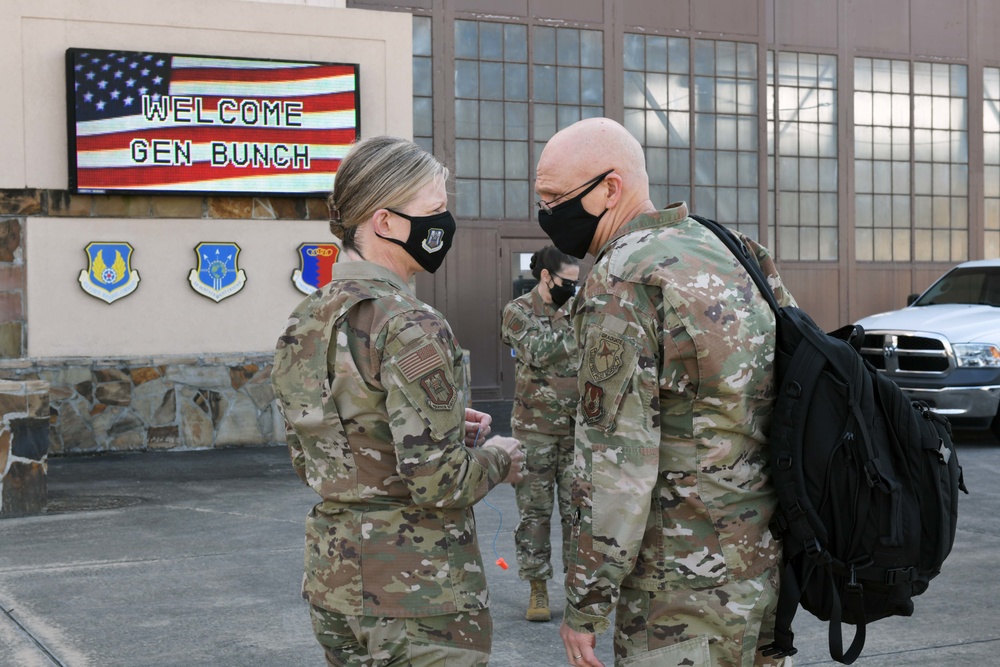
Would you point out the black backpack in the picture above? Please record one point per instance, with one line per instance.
(867, 481)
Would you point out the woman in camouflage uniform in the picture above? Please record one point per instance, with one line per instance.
(539, 330)
(371, 384)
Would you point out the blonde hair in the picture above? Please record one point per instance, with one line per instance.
(380, 172)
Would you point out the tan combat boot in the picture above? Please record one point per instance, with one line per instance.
(538, 603)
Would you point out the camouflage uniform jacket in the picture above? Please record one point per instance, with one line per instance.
(676, 397)
(371, 385)
(547, 360)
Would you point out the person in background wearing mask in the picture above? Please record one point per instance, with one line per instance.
(537, 327)
(370, 382)
(676, 398)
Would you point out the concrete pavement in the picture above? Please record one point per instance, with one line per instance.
(193, 559)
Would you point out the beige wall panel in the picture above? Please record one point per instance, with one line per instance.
(576, 11)
(987, 28)
(42, 30)
(940, 28)
(164, 315)
(735, 18)
(879, 290)
(473, 306)
(879, 25)
(806, 23)
(663, 15)
(816, 290)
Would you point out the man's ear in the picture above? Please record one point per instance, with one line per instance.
(613, 182)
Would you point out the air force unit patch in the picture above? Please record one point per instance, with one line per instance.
(109, 275)
(315, 266)
(434, 240)
(218, 275)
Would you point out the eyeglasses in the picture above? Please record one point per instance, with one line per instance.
(547, 206)
(565, 281)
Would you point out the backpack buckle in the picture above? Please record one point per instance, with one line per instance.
(898, 575)
(853, 587)
(943, 452)
(874, 476)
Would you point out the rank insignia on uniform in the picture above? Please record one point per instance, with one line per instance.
(592, 402)
(316, 262)
(218, 274)
(440, 393)
(433, 242)
(109, 275)
(605, 358)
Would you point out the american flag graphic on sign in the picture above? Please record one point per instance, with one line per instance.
(163, 122)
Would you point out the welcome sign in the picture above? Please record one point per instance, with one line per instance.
(166, 123)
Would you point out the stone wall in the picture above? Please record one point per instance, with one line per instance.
(132, 404)
(24, 447)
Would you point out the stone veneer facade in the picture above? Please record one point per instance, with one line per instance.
(133, 404)
(127, 404)
(24, 447)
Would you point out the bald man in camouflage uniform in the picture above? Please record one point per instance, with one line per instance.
(676, 385)
(543, 419)
(371, 384)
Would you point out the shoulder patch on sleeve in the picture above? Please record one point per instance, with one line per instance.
(515, 323)
(608, 364)
(439, 390)
(605, 356)
(417, 363)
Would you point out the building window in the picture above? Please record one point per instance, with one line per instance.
(911, 204)
(991, 160)
(802, 155)
(423, 88)
(725, 133)
(568, 79)
(882, 159)
(940, 162)
(492, 167)
(658, 111)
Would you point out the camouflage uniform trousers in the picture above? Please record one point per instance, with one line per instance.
(448, 640)
(714, 627)
(548, 469)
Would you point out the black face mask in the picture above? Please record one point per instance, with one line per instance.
(429, 240)
(562, 293)
(570, 226)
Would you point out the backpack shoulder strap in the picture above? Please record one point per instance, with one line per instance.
(742, 253)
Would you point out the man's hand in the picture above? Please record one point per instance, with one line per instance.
(579, 647)
(477, 426)
(513, 447)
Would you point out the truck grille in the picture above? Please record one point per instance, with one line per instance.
(903, 353)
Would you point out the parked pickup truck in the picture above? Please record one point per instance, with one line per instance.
(944, 347)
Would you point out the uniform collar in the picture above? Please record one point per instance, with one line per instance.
(539, 306)
(364, 270)
(670, 215)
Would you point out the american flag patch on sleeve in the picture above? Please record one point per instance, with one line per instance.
(420, 361)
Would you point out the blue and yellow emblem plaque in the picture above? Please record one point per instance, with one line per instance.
(316, 262)
(109, 275)
(218, 274)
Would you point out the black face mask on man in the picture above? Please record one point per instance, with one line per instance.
(569, 225)
(429, 240)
